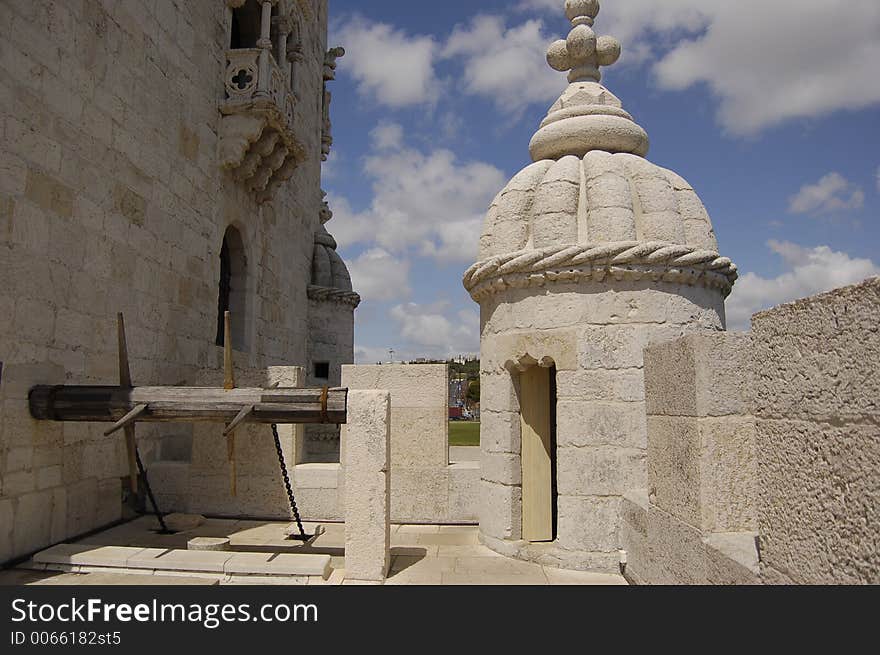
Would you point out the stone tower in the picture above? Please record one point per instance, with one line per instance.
(589, 254)
(331, 333)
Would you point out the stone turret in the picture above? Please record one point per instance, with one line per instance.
(331, 333)
(588, 254)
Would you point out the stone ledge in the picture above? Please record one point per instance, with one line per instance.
(81, 557)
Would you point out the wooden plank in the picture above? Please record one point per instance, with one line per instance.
(229, 372)
(185, 404)
(537, 481)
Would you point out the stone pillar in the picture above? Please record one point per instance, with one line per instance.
(701, 457)
(366, 449)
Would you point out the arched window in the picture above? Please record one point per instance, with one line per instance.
(232, 296)
(246, 25)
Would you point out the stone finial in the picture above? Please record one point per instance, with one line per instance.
(582, 53)
(587, 116)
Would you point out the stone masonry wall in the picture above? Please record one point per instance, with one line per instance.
(699, 507)
(331, 339)
(768, 439)
(112, 199)
(817, 403)
(594, 334)
(425, 488)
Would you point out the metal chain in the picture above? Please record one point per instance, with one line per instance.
(149, 490)
(286, 477)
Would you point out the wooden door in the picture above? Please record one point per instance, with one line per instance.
(537, 455)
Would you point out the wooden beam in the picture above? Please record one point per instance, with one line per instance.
(187, 404)
(124, 370)
(125, 381)
(246, 411)
(126, 420)
(229, 373)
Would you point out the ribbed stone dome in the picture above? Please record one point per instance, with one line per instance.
(328, 269)
(600, 198)
(591, 206)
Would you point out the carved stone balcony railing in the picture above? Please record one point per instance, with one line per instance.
(257, 142)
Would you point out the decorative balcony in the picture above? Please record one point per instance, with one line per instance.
(257, 142)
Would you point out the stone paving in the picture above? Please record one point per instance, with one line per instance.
(421, 555)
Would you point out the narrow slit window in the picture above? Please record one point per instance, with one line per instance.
(322, 370)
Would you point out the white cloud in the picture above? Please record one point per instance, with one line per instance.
(878, 178)
(429, 202)
(766, 62)
(832, 193)
(388, 65)
(506, 65)
(387, 136)
(378, 275)
(426, 327)
(809, 271)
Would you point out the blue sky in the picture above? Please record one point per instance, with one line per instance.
(770, 109)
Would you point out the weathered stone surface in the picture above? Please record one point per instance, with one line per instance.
(501, 468)
(367, 485)
(621, 385)
(731, 558)
(588, 523)
(699, 375)
(674, 470)
(500, 431)
(634, 534)
(208, 543)
(419, 410)
(600, 471)
(464, 492)
(419, 495)
(818, 500)
(677, 552)
(112, 199)
(586, 423)
(814, 359)
(500, 511)
(729, 474)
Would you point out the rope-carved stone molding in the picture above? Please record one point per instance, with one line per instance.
(327, 294)
(622, 260)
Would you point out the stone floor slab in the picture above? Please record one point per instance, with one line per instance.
(282, 564)
(182, 560)
(566, 577)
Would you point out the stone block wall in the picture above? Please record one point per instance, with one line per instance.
(425, 488)
(763, 451)
(817, 404)
(112, 199)
(701, 462)
(331, 340)
(594, 334)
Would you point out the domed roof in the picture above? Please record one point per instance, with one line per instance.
(328, 269)
(591, 204)
(330, 277)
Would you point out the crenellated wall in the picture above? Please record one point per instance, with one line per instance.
(764, 451)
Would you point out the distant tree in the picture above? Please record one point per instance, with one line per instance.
(473, 392)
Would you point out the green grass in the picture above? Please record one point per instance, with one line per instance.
(464, 433)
